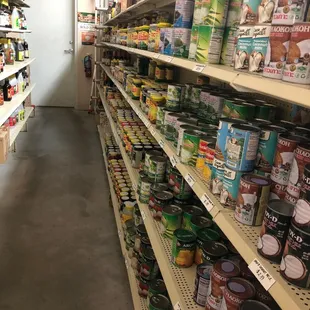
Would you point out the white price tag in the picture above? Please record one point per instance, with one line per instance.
(261, 274)
(169, 59)
(156, 55)
(147, 124)
(119, 233)
(126, 263)
(162, 143)
(134, 186)
(152, 131)
(143, 215)
(198, 68)
(207, 202)
(177, 306)
(174, 161)
(190, 180)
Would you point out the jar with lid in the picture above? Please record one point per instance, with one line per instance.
(160, 72)
(143, 94)
(156, 99)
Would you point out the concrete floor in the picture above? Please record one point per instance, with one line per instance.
(59, 248)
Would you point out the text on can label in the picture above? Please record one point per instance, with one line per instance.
(190, 180)
(198, 68)
(207, 202)
(261, 274)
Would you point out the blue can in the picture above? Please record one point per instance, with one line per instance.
(217, 176)
(242, 146)
(223, 134)
(229, 193)
(183, 13)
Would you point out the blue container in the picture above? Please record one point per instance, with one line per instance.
(223, 134)
(183, 14)
(242, 146)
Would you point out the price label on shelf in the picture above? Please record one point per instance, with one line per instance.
(147, 124)
(119, 233)
(168, 59)
(162, 143)
(198, 68)
(174, 161)
(190, 180)
(156, 55)
(261, 274)
(152, 131)
(126, 263)
(207, 202)
(143, 215)
(177, 306)
(134, 186)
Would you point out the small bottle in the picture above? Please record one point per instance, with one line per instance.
(26, 49)
(19, 51)
(20, 80)
(7, 93)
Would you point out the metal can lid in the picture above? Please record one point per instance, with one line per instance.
(172, 210)
(164, 195)
(204, 270)
(193, 210)
(281, 207)
(201, 221)
(160, 302)
(184, 235)
(214, 248)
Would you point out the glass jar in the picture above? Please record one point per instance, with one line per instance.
(156, 99)
(136, 89)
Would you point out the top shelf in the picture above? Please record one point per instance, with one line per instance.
(241, 81)
(10, 30)
(19, 3)
(132, 12)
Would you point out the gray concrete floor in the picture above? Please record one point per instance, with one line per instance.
(59, 248)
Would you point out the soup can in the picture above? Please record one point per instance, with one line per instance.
(242, 146)
(253, 196)
(156, 188)
(147, 157)
(202, 281)
(295, 264)
(274, 230)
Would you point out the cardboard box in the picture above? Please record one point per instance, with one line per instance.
(4, 144)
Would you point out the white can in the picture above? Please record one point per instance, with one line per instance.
(277, 51)
(297, 67)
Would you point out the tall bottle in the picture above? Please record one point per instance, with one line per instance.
(19, 51)
(15, 18)
(1, 58)
(7, 93)
(9, 53)
(26, 49)
(20, 81)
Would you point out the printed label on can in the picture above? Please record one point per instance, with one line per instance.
(244, 47)
(183, 14)
(251, 10)
(189, 149)
(277, 191)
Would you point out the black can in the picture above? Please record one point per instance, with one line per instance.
(159, 302)
(253, 305)
(274, 230)
(161, 200)
(212, 251)
(295, 264)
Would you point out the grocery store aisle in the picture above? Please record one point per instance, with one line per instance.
(59, 247)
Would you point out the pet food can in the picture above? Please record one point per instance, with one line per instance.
(223, 134)
(301, 159)
(242, 146)
(161, 200)
(301, 217)
(229, 192)
(202, 282)
(212, 251)
(198, 222)
(276, 52)
(217, 176)
(253, 195)
(244, 47)
(183, 13)
(267, 146)
(295, 264)
(159, 302)
(183, 248)
(274, 230)
(297, 67)
(190, 145)
(277, 191)
(259, 48)
(204, 235)
(171, 220)
(284, 156)
(189, 212)
(147, 157)
(157, 286)
(222, 271)
(236, 291)
(175, 97)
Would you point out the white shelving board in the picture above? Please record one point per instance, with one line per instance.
(244, 238)
(14, 132)
(10, 106)
(139, 303)
(10, 30)
(241, 81)
(9, 70)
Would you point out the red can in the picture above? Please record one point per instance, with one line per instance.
(277, 191)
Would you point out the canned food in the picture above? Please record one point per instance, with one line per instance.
(181, 190)
(217, 176)
(148, 155)
(198, 222)
(169, 124)
(157, 286)
(212, 251)
(157, 168)
(253, 304)
(183, 248)
(145, 189)
(156, 188)
(159, 302)
(274, 230)
(202, 282)
(207, 169)
(182, 129)
(161, 200)
(253, 195)
(149, 267)
(140, 232)
(189, 212)
(175, 96)
(171, 220)
(190, 144)
(143, 287)
(295, 264)
(204, 141)
(242, 146)
(264, 297)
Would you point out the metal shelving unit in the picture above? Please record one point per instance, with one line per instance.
(243, 237)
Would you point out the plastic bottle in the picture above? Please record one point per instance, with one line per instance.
(15, 18)
(7, 94)
(9, 53)
(19, 51)
(21, 84)
(26, 49)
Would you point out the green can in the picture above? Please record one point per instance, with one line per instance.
(203, 235)
(157, 169)
(181, 190)
(195, 98)
(183, 248)
(266, 111)
(159, 302)
(243, 110)
(198, 222)
(157, 286)
(189, 212)
(187, 95)
(160, 118)
(171, 220)
(170, 123)
(145, 189)
(175, 96)
(190, 145)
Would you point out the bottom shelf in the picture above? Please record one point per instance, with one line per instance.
(139, 303)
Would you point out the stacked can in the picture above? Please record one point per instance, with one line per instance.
(239, 158)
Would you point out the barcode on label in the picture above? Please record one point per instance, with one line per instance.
(162, 144)
(143, 215)
(169, 59)
(261, 274)
(207, 202)
(190, 180)
(177, 306)
(156, 55)
(173, 160)
(198, 68)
